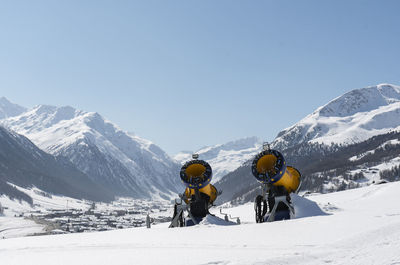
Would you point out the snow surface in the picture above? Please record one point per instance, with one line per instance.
(41, 201)
(362, 227)
(17, 227)
(224, 158)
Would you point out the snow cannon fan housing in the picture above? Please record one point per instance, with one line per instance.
(196, 174)
(269, 167)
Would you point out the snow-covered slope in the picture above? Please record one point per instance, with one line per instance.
(350, 118)
(225, 158)
(363, 227)
(124, 163)
(8, 109)
(24, 164)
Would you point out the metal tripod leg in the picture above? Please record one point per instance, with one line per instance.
(180, 209)
(179, 212)
(279, 199)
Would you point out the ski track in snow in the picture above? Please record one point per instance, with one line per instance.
(362, 227)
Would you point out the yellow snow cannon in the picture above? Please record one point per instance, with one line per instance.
(199, 194)
(269, 166)
(277, 181)
(196, 175)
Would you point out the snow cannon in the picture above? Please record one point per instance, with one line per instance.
(199, 194)
(277, 181)
(269, 167)
(197, 174)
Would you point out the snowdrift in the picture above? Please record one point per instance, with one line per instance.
(304, 207)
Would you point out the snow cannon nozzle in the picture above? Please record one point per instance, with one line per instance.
(196, 173)
(195, 156)
(269, 167)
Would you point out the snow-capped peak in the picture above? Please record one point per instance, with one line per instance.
(361, 100)
(8, 109)
(225, 158)
(98, 147)
(352, 117)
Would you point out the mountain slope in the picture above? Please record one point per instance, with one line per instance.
(325, 169)
(350, 118)
(124, 163)
(8, 109)
(25, 165)
(225, 158)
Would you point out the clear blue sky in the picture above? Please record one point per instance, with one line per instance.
(186, 74)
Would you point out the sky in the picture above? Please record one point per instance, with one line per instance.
(187, 74)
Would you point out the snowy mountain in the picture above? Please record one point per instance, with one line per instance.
(8, 109)
(225, 158)
(25, 165)
(350, 118)
(123, 163)
(363, 126)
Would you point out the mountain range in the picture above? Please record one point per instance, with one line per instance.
(345, 143)
(225, 158)
(122, 163)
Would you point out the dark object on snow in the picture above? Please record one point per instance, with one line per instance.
(277, 181)
(199, 194)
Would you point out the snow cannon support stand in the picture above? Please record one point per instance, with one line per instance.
(277, 181)
(199, 194)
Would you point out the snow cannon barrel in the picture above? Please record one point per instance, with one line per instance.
(269, 167)
(209, 190)
(197, 174)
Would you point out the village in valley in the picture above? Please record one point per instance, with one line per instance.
(76, 216)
